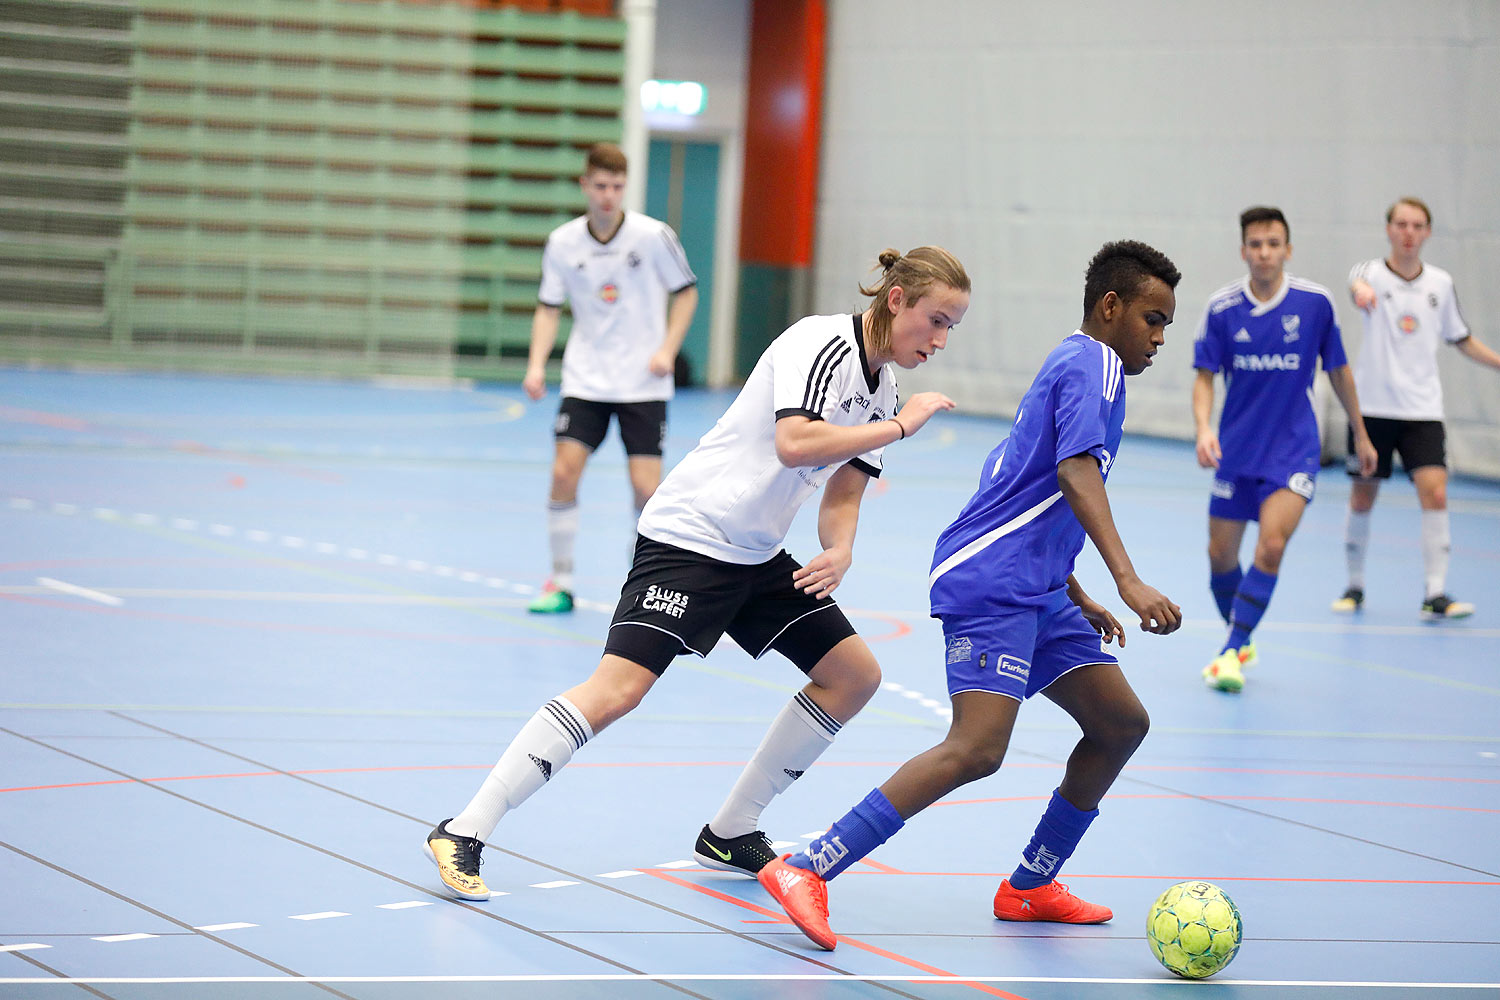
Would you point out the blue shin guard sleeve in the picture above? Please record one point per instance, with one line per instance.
(1249, 604)
(1223, 586)
(860, 831)
(1057, 835)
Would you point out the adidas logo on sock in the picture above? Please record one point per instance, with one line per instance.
(794, 775)
(542, 765)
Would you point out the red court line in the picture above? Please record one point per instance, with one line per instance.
(1233, 798)
(884, 869)
(1291, 880)
(852, 942)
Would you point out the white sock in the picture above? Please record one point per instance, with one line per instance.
(1435, 546)
(562, 532)
(798, 737)
(543, 746)
(1356, 544)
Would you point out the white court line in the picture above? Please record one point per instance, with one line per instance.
(28, 946)
(552, 885)
(77, 591)
(409, 904)
(236, 925)
(115, 938)
(692, 977)
(622, 874)
(325, 915)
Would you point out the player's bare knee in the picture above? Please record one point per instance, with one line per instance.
(973, 761)
(1124, 733)
(1268, 554)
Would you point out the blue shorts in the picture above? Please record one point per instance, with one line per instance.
(1238, 498)
(1020, 652)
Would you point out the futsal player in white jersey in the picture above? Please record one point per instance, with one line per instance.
(1266, 334)
(617, 269)
(1409, 309)
(818, 410)
(1015, 621)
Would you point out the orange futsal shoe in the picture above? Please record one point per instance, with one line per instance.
(804, 897)
(1052, 902)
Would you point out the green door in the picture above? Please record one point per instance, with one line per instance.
(682, 190)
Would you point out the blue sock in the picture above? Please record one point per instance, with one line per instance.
(1223, 586)
(860, 831)
(1249, 604)
(1056, 838)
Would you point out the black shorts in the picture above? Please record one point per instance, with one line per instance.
(676, 602)
(643, 426)
(1419, 442)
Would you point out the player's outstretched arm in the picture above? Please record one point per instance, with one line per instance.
(1363, 294)
(1342, 380)
(802, 441)
(1209, 452)
(838, 517)
(1083, 487)
(544, 324)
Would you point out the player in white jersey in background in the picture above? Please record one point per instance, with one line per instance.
(1266, 334)
(617, 270)
(819, 408)
(1409, 308)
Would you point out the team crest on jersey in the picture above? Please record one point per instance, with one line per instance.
(1301, 484)
(877, 414)
(1432, 300)
(610, 293)
(633, 259)
(1290, 325)
(672, 603)
(960, 649)
(1407, 323)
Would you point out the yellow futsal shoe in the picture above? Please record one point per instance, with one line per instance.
(1223, 674)
(457, 859)
(1436, 609)
(1248, 656)
(1350, 601)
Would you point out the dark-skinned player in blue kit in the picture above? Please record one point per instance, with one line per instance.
(1015, 620)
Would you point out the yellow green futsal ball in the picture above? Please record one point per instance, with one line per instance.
(1194, 929)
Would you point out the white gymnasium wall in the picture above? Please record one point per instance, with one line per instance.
(1024, 135)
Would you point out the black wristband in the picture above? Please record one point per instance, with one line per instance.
(899, 426)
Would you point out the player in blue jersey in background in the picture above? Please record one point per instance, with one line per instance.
(1015, 620)
(1265, 333)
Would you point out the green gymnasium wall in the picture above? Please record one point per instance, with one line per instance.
(330, 186)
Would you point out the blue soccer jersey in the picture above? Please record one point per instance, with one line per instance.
(1268, 353)
(1014, 542)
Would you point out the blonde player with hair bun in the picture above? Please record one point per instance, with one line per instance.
(818, 411)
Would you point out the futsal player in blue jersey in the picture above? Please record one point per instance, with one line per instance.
(1015, 620)
(1266, 334)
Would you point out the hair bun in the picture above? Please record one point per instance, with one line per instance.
(888, 258)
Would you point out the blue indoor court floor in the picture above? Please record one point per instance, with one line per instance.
(258, 636)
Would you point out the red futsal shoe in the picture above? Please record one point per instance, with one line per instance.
(804, 897)
(1052, 902)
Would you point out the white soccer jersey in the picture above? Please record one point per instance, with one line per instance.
(731, 498)
(618, 291)
(1396, 372)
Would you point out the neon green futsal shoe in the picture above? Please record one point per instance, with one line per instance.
(1223, 674)
(1248, 656)
(551, 601)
